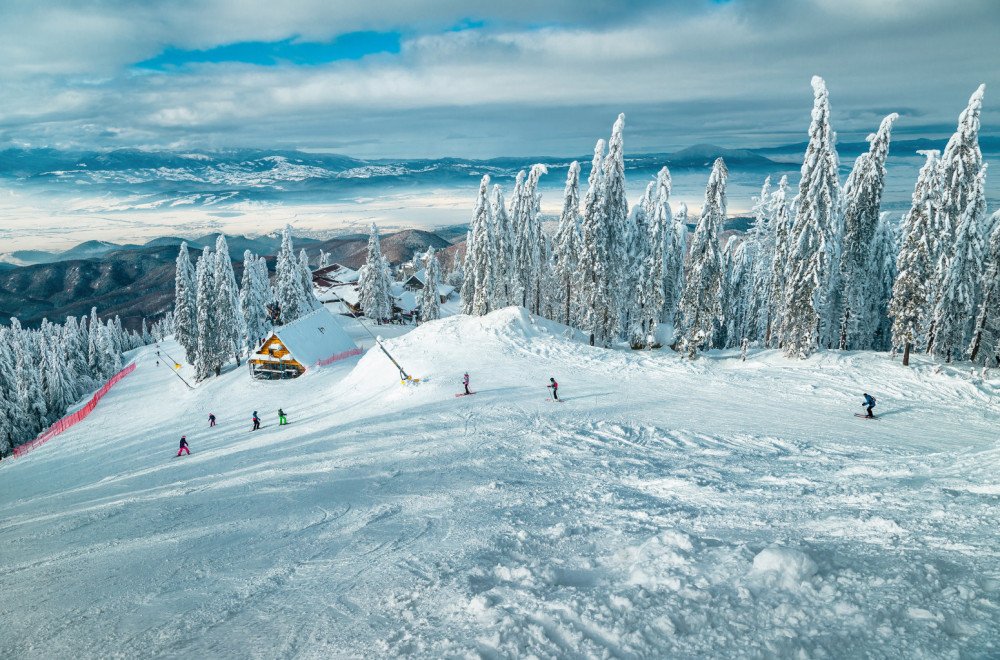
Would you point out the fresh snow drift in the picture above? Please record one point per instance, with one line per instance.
(669, 508)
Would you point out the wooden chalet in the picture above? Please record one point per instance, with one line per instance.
(314, 340)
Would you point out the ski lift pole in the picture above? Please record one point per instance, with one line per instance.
(402, 374)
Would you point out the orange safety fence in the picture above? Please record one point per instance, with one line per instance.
(69, 420)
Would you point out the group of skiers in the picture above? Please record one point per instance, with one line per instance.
(282, 420)
(553, 385)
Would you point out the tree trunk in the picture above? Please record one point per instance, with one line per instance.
(906, 354)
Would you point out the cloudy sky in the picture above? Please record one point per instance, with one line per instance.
(431, 78)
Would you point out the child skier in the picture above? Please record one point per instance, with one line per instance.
(465, 381)
(281, 417)
(256, 421)
(869, 403)
(184, 446)
(211, 420)
(555, 389)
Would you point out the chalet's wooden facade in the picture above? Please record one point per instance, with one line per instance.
(313, 340)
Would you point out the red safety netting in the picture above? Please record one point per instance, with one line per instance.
(69, 420)
(339, 356)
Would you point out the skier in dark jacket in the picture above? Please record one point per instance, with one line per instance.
(256, 421)
(869, 403)
(281, 417)
(465, 381)
(184, 446)
(211, 419)
(555, 389)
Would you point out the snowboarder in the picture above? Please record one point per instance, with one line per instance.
(256, 421)
(281, 417)
(211, 420)
(869, 403)
(555, 388)
(465, 381)
(184, 446)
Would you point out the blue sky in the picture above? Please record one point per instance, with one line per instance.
(398, 78)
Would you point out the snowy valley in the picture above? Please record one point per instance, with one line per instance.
(667, 508)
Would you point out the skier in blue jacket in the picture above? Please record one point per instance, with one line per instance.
(869, 403)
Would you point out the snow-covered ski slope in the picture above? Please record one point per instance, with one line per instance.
(668, 509)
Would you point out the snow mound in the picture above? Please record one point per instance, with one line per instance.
(787, 568)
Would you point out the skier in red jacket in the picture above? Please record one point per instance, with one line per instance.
(555, 389)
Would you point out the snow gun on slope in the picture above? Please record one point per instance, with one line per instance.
(404, 378)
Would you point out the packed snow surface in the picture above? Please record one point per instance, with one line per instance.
(666, 508)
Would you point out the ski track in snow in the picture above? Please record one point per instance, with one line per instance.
(668, 508)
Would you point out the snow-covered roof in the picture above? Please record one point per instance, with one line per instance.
(406, 301)
(315, 337)
(337, 273)
(346, 292)
(420, 276)
(445, 290)
(396, 289)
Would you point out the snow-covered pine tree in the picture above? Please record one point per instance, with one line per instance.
(858, 270)
(616, 216)
(374, 281)
(457, 276)
(985, 346)
(885, 249)
(30, 397)
(958, 168)
(594, 267)
(430, 298)
(288, 280)
(739, 294)
(309, 300)
(505, 243)
(185, 317)
(916, 262)
(958, 303)
(538, 272)
(253, 303)
(811, 295)
(654, 278)
(781, 231)
(468, 291)
(633, 278)
(518, 217)
(211, 348)
(232, 326)
(567, 244)
(673, 275)
(484, 253)
(700, 311)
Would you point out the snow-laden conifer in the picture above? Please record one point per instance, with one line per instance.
(212, 351)
(653, 278)
(885, 250)
(506, 242)
(468, 291)
(673, 270)
(185, 316)
(615, 213)
(430, 298)
(253, 303)
(782, 234)
(596, 313)
(916, 262)
(567, 245)
(457, 275)
(375, 281)
(232, 326)
(859, 271)
(700, 311)
(811, 296)
(633, 275)
(959, 297)
(309, 300)
(288, 280)
(985, 346)
(484, 253)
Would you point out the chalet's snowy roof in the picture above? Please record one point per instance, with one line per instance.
(406, 301)
(330, 275)
(445, 290)
(420, 276)
(396, 289)
(314, 337)
(337, 292)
